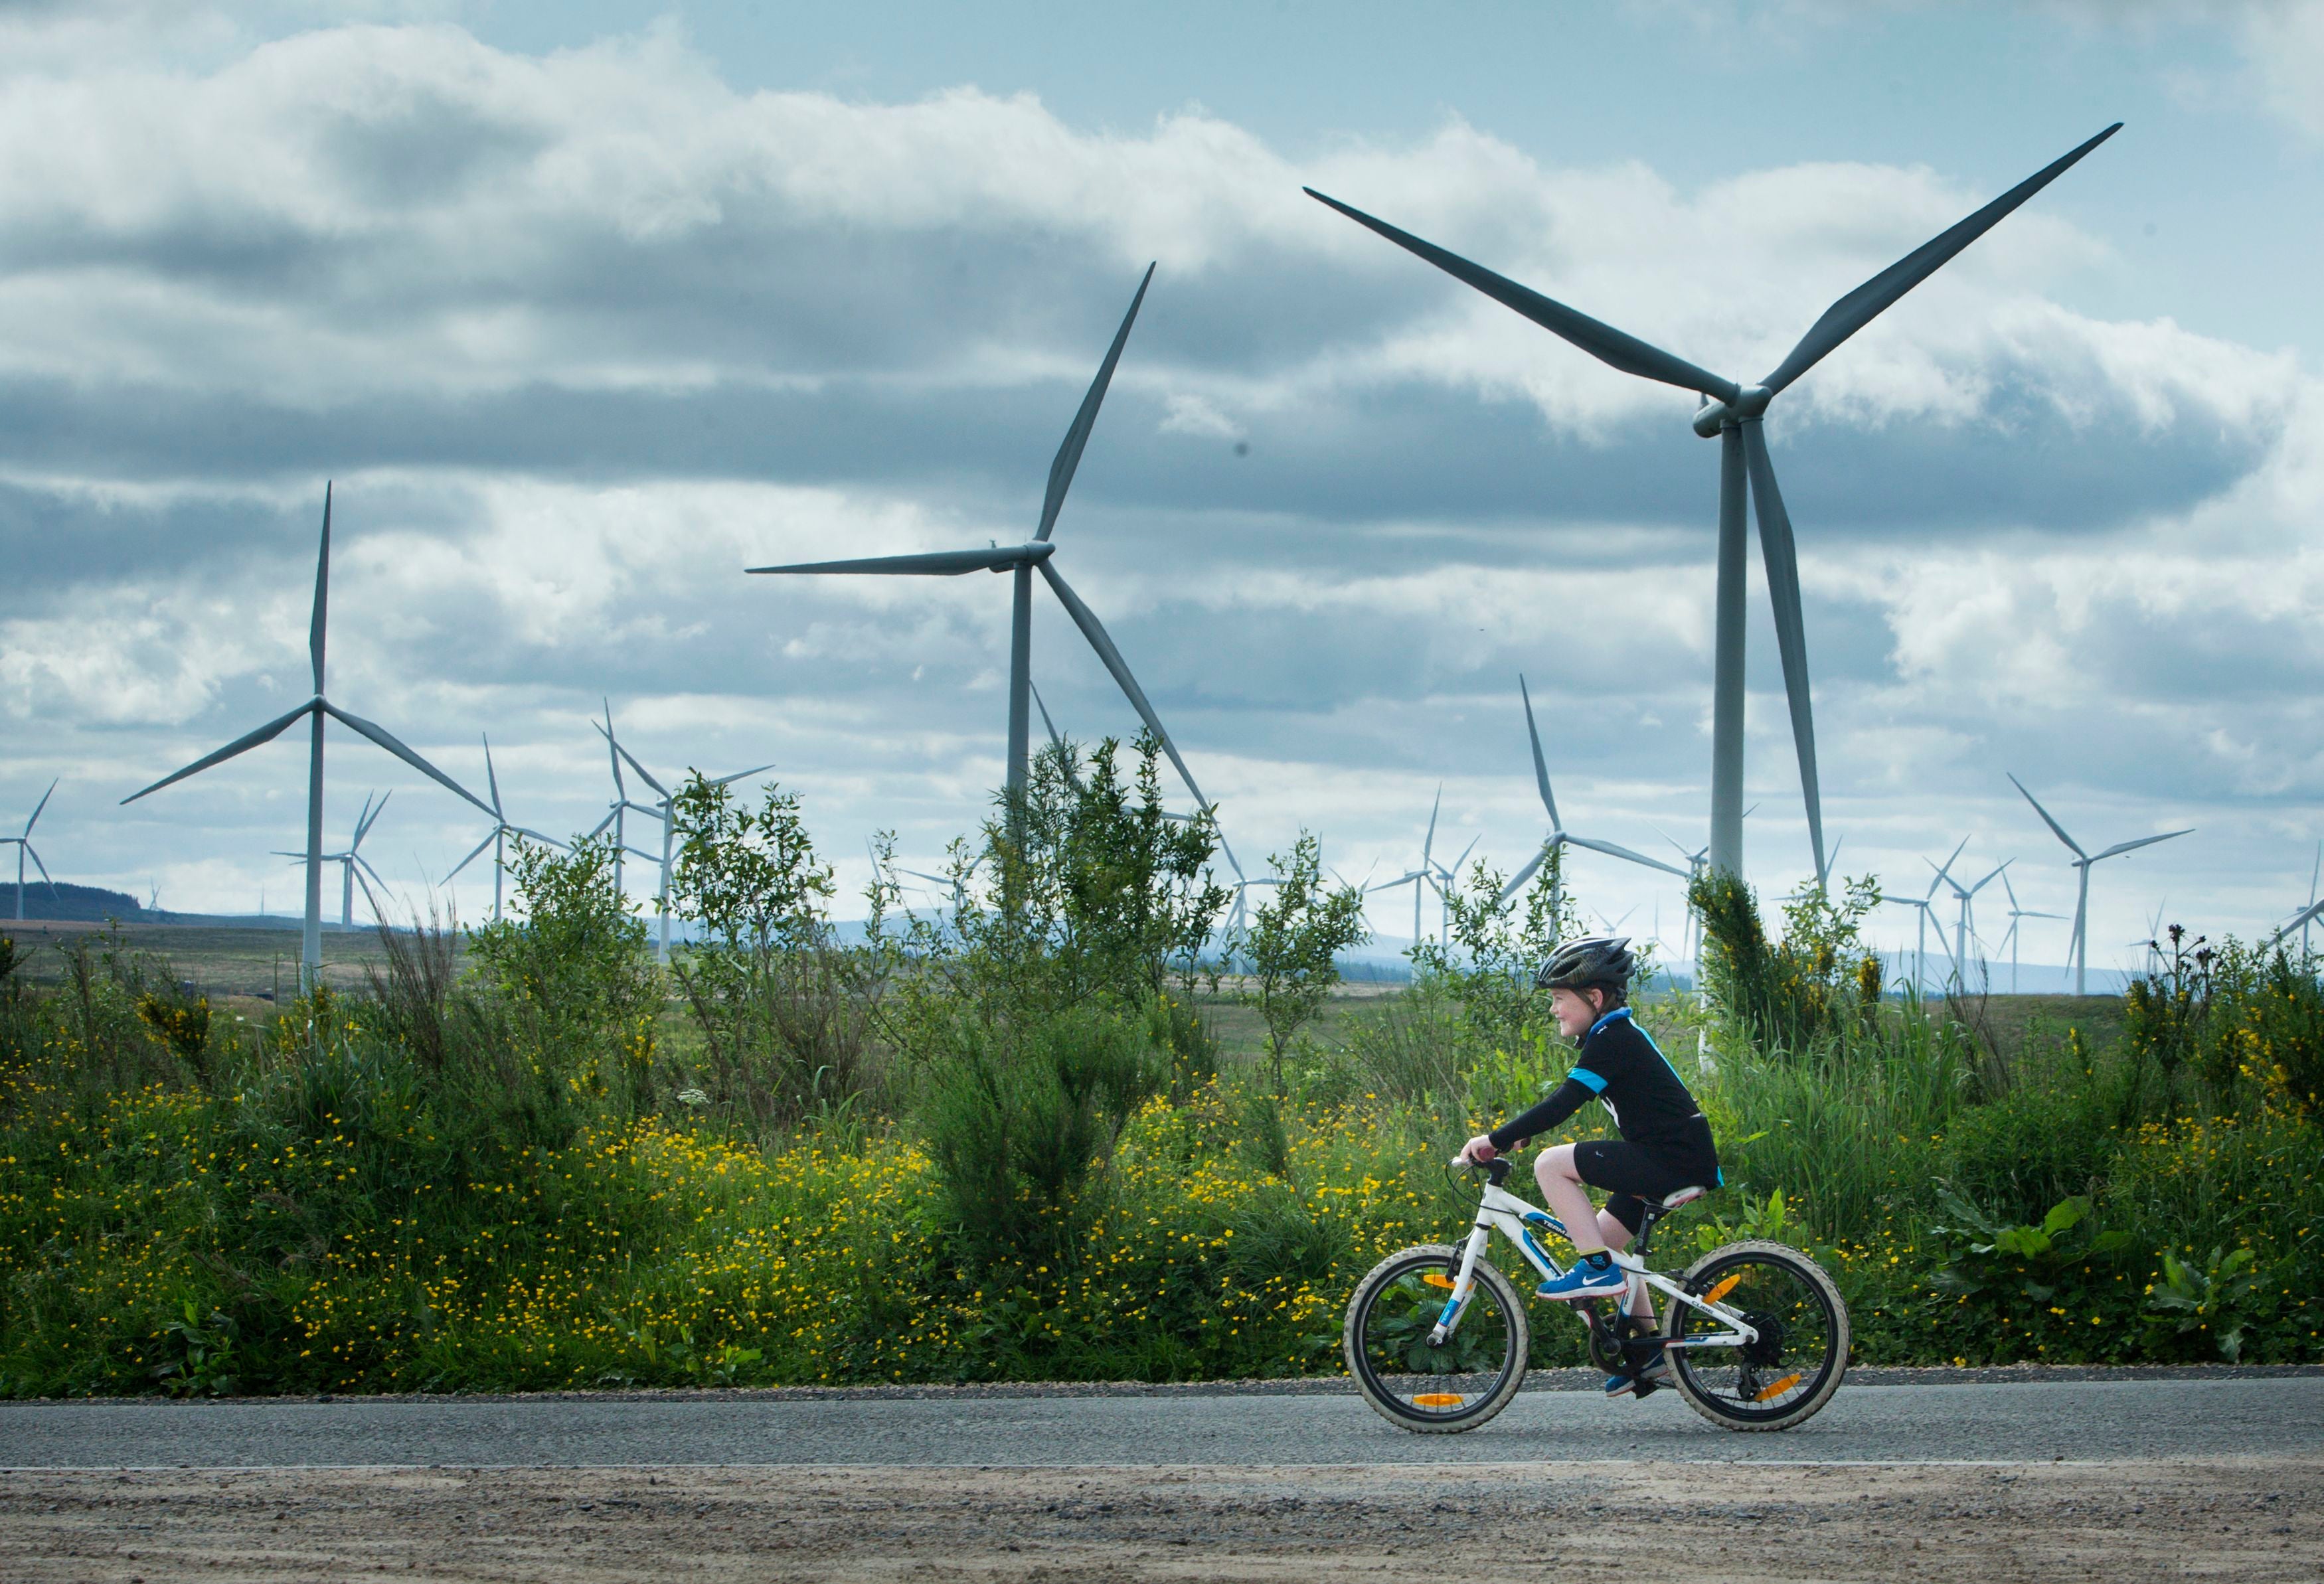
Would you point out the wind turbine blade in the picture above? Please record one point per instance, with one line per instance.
(33, 853)
(1988, 880)
(1517, 881)
(614, 744)
(1612, 850)
(1600, 341)
(243, 744)
(532, 835)
(1791, 629)
(1945, 874)
(2057, 829)
(1094, 631)
(933, 564)
(725, 780)
(1861, 307)
(492, 782)
(1540, 765)
(1428, 843)
(2142, 842)
(42, 803)
(612, 753)
(1069, 454)
(2312, 911)
(2010, 891)
(1048, 724)
(599, 829)
(474, 855)
(320, 619)
(388, 741)
(370, 817)
(363, 867)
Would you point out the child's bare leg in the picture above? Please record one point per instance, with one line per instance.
(1569, 1201)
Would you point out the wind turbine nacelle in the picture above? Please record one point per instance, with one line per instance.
(1749, 402)
(1031, 553)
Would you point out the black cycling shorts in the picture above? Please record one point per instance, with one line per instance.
(1632, 1176)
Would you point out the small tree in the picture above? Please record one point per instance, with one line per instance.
(1500, 941)
(1292, 944)
(570, 966)
(785, 1010)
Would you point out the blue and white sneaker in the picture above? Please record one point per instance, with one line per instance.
(1583, 1283)
(1655, 1376)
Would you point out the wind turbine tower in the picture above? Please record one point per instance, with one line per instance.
(314, 711)
(2082, 862)
(1731, 413)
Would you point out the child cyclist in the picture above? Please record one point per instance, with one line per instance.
(1665, 1143)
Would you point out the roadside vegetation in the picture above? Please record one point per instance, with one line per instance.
(1007, 1141)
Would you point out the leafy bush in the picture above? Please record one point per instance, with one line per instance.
(1799, 995)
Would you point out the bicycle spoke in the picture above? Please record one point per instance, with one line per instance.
(1796, 1344)
(1426, 1379)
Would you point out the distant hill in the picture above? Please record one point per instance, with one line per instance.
(67, 901)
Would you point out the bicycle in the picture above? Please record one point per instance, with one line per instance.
(1438, 1340)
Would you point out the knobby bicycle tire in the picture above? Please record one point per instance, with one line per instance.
(1391, 1280)
(1795, 1402)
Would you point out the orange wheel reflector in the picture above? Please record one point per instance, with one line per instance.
(1722, 1289)
(1438, 1279)
(1451, 1399)
(1779, 1388)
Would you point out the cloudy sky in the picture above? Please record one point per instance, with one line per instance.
(587, 306)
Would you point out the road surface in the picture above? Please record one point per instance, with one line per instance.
(2075, 1421)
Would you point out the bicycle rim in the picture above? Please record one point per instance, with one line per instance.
(1456, 1386)
(1796, 1363)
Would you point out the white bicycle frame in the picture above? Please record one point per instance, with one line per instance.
(1503, 1211)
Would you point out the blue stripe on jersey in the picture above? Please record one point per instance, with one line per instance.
(1588, 1080)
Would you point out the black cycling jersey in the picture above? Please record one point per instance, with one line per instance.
(1620, 1066)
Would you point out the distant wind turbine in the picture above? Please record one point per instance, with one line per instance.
(350, 861)
(1732, 413)
(498, 838)
(311, 941)
(1021, 561)
(2082, 862)
(1426, 873)
(24, 845)
(664, 809)
(2299, 921)
(2017, 913)
(1559, 836)
(1964, 926)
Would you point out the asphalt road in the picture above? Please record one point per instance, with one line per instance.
(2071, 1420)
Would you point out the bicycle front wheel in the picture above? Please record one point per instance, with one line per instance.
(1441, 1387)
(1793, 1366)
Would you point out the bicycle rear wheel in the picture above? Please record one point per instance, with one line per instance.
(1434, 1390)
(1795, 1364)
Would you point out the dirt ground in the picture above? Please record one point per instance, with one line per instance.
(2258, 1519)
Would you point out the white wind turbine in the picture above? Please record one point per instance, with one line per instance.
(2017, 913)
(498, 839)
(1964, 926)
(24, 845)
(1559, 836)
(1733, 414)
(2299, 921)
(2081, 863)
(1424, 875)
(664, 809)
(350, 861)
(315, 710)
(1926, 906)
